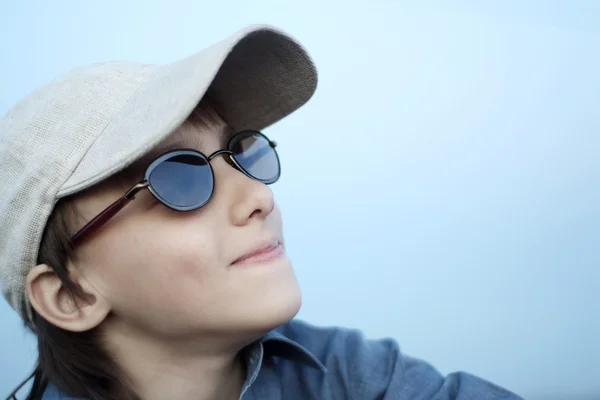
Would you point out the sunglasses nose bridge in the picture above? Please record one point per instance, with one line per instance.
(218, 153)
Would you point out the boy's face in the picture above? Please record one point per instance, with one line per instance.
(173, 274)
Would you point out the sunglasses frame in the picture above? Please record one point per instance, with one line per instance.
(109, 212)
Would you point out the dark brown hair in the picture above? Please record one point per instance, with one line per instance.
(73, 361)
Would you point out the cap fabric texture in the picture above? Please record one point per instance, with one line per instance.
(95, 121)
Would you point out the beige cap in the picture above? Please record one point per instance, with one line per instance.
(95, 121)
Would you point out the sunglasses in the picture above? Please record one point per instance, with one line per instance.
(183, 180)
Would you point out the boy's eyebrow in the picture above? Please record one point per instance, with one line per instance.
(191, 142)
(186, 143)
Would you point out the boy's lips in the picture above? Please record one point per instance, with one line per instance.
(262, 253)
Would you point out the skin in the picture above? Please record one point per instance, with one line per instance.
(160, 285)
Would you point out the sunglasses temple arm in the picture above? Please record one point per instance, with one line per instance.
(100, 219)
(108, 212)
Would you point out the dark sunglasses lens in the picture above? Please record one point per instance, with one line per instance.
(183, 181)
(256, 156)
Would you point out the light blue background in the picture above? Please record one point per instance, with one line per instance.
(442, 187)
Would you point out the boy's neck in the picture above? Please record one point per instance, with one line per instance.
(203, 369)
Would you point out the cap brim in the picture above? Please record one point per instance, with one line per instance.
(255, 78)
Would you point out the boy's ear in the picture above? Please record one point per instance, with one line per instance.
(51, 300)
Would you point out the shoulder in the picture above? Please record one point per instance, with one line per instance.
(357, 368)
(362, 368)
(343, 348)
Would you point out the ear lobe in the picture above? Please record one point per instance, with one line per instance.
(53, 302)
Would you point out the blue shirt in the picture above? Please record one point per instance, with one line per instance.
(301, 362)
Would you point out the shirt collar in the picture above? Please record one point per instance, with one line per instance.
(277, 344)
